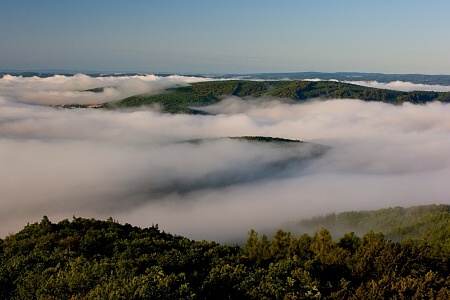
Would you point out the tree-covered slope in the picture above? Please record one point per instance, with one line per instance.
(181, 99)
(91, 259)
(429, 222)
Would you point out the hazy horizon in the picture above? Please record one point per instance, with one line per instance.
(204, 37)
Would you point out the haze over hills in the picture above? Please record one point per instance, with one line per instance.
(134, 164)
(346, 76)
(418, 223)
(360, 86)
(441, 79)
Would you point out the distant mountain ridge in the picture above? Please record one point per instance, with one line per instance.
(441, 79)
(183, 99)
(349, 76)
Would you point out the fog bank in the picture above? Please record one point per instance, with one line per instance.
(403, 86)
(138, 168)
(84, 89)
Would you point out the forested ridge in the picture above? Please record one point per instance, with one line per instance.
(93, 259)
(182, 99)
(430, 222)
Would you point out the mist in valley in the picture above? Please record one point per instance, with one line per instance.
(141, 166)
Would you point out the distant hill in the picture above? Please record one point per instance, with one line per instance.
(261, 139)
(440, 79)
(292, 155)
(183, 99)
(348, 76)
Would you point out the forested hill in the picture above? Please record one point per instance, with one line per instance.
(91, 259)
(181, 99)
(430, 222)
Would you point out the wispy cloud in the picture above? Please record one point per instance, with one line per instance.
(403, 86)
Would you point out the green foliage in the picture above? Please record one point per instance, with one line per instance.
(102, 260)
(427, 222)
(182, 99)
(91, 259)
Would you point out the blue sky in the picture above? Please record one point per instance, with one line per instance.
(402, 36)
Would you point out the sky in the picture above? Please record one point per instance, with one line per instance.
(141, 167)
(189, 37)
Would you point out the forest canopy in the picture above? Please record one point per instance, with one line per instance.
(93, 259)
(190, 99)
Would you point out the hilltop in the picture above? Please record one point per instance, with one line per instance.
(190, 99)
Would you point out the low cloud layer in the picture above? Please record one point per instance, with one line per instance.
(403, 86)
(141, 167)
(61, 89)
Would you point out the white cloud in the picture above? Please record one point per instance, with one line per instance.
(403, 86)
(60, 89)
(133, 167)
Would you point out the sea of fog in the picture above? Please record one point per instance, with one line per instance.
(140, 167)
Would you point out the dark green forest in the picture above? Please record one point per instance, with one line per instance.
(183, 99)
(93, 259)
